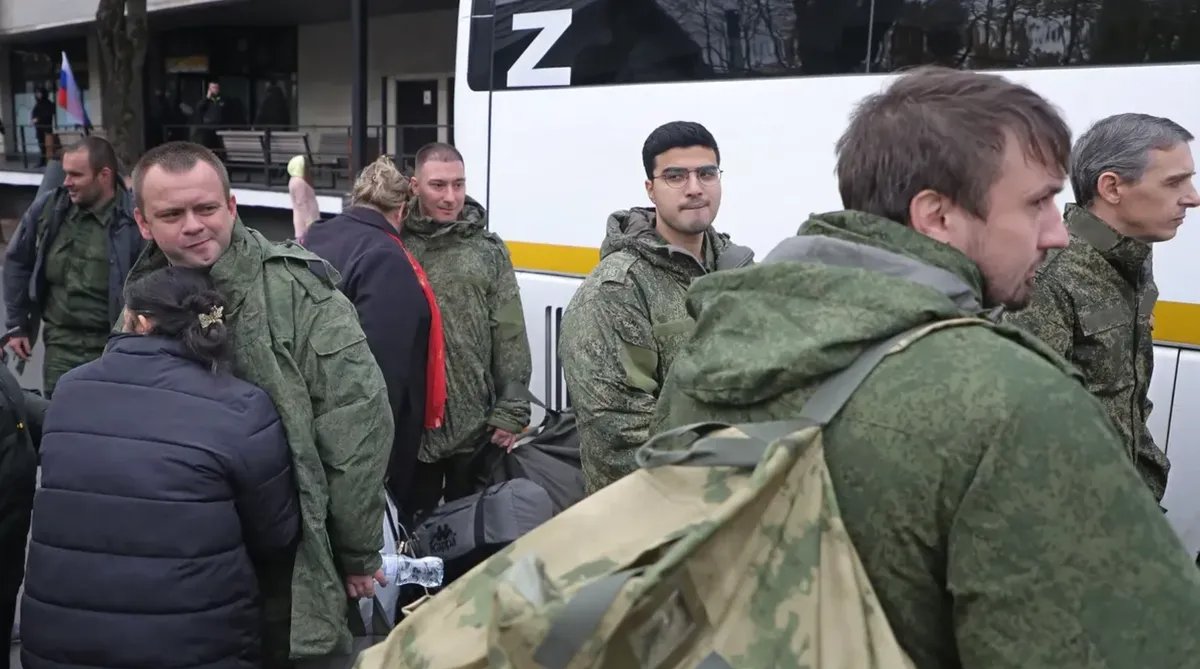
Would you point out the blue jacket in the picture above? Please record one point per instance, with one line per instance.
(162, 485)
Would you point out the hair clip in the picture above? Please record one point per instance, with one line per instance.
(212, 317)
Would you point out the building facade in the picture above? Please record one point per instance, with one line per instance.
(285, 71)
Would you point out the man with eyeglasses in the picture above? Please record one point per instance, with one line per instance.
(628, 319)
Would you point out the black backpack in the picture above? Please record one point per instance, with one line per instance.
(548, 456)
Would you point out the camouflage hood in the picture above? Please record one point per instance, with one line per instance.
(471, 222)
(815, 288)
(633, 230)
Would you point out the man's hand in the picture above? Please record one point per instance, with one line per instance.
(505, 440)
(358, 587)
(20, 346)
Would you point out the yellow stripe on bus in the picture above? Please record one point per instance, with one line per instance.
(555, 258)
(1177, 322)
(1174, 322)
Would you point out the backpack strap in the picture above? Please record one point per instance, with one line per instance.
(522, 391)
(826, 402)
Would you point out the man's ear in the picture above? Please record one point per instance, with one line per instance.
(1108, 188)
(928, 214)
(142, 224)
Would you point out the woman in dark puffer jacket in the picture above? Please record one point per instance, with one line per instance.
(164, 481)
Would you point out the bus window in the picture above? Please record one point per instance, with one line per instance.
(642, 41)
(983, 35)
(548, 43)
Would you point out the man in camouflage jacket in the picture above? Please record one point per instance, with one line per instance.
(297, 337)
(627, 321)
(487, 351)
(622, 329)
(983, 487)
(1094, 301)
(65, 267)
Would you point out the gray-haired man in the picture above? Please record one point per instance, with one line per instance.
(1093, 301)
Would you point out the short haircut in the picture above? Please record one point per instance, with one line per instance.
(1120, 144)
(439, 151)
(944, 130)
(176, 157)
(380, 185)
(100, 155)
(676, 135)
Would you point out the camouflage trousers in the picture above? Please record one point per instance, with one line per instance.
(66, 350)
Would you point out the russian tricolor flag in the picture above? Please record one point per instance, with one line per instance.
(70, 99)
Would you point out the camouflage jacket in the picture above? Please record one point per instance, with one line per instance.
(487, 350)
(297, 337)
(984, 488)
(1093, 303)
(621, 331)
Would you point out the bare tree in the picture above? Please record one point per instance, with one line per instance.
(122, 33)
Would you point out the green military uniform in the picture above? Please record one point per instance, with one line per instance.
(621, 332)
(1092, 303)
(297, 337)
(985, 490)
(487, 350)
(76, 309)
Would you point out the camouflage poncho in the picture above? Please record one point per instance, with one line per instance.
(991, 501)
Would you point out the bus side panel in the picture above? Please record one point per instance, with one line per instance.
(544, 298)
(1161, 392)
(1182, 500)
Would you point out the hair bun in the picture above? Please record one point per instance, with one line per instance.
(202, 302)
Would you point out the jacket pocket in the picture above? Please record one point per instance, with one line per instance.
(1105, 346)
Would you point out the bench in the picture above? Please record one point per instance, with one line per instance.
(245, 148)
(285, 144)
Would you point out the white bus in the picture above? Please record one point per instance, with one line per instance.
(555, 97)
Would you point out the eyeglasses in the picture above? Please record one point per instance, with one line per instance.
(676, 177)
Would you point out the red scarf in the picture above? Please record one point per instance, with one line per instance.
(435, 365)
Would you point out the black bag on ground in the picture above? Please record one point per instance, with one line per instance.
(550, 458)
(467, 531)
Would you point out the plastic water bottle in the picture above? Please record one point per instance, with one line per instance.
(402, 569)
